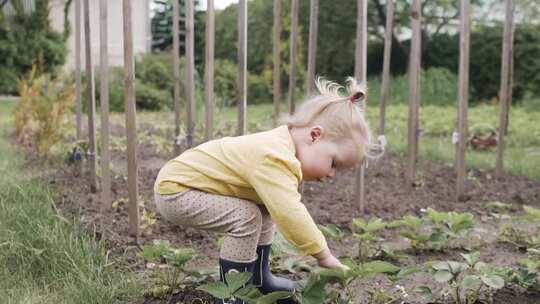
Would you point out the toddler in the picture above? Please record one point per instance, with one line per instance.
(245, 186)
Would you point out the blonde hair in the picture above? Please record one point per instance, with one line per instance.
(341, 118)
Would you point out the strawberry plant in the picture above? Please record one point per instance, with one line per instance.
(313, 291)
(169, 263)
(237, 287)
(436, 230)
(370, 239)
(465, 281)
(524, 231)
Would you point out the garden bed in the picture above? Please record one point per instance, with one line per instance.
(387, 197)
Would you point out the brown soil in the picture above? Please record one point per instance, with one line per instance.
(387, 196)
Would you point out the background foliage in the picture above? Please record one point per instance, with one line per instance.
(27, 37)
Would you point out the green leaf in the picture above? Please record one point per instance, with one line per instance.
(471, 258)
(425, 291)
(332, 231)
(217, 289)
(273, 297)
(249, 294)
(407, 271)
(379, 267)
(443, 276)
(492, 280)
(314, 292)
(470, 282)
(395, 224)
(404, 272)
(480, 266)
(438, 237)
(458, 222)
(412, 221)
(498, 205)
(375, 224)
(156, 251)
(441, 266)
(437, 217)
(179, 257)
(532, 213)
(457, 267)
(235, 280)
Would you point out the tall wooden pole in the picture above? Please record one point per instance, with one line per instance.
(360, 73)
(209, 70)
(276, 52)
(414, 91)
(293, 51)
(312, 49)
(78, 94)
(505, 91)
(464, 48)
(91, 153)
(385, 85)
(176, 78)
(510, 79)
(190, 81)
(242, 66)
(131, 124)
(104, 103)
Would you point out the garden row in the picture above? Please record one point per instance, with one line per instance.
(466, 280)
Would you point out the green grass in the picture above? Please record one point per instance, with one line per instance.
(45, 258)
(522, 153)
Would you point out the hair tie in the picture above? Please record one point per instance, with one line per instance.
(356, 96)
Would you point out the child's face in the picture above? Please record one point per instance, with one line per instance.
(321, 158)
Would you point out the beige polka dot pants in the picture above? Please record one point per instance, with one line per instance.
(244, 223)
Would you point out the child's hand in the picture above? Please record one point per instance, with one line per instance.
(327, 260)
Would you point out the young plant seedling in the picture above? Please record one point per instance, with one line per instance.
(465, 281)
(169, 264)
(436, 231)
(370, 238)
(237, 287)
(314, 290)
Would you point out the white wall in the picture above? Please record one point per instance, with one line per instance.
(141, 30)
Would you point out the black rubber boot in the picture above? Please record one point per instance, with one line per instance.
(265, 281)
(226, 266)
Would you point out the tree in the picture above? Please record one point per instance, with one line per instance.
(26, 38)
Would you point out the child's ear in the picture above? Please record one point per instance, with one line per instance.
(316, 133)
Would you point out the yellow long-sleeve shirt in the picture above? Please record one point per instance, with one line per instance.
(260, 167)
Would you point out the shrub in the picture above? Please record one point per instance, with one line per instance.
(150, 98)
(225, 82)
(26, 39)
(40, 115)
(156, 69)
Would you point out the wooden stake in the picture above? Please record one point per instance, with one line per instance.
(78, 94)
(91, 153)
(414, 93)
(294, 36)
(360, 73)
(510, 80)
(385, 85)
(242, 66)
(505, 91)
(209, 70)
(312, 50)
(190, 81)
(131, 124)
(463, 96)
(104, 104)
(176, 78)
(276, 52)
